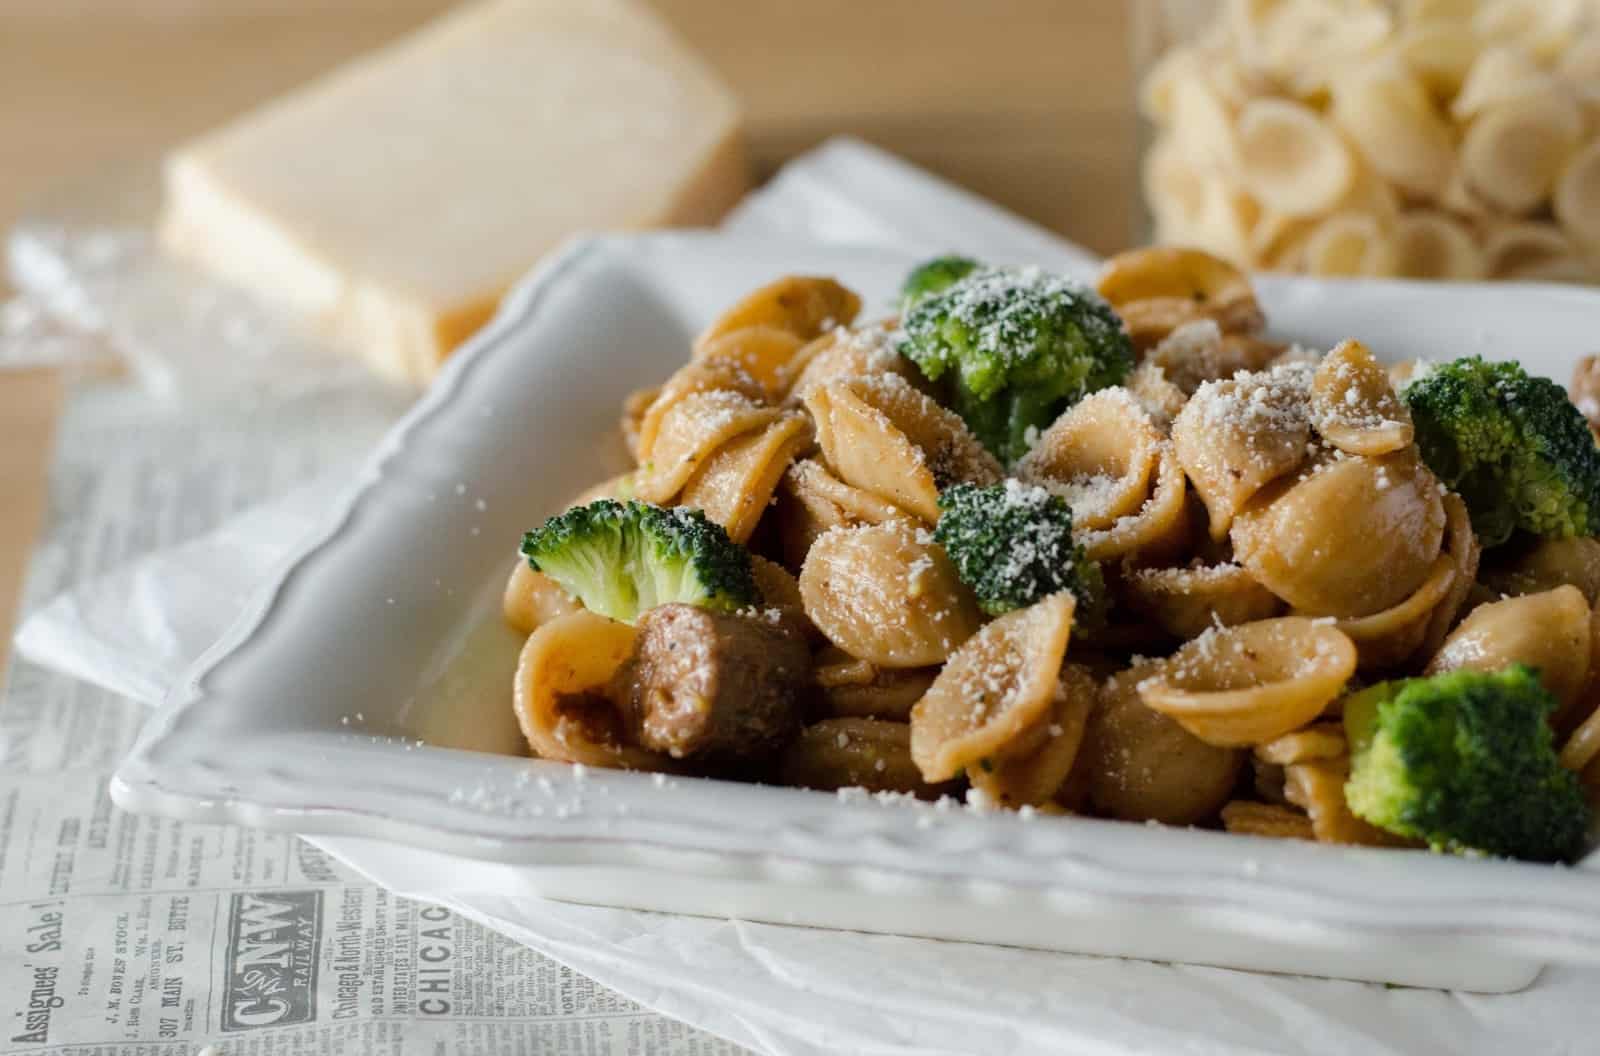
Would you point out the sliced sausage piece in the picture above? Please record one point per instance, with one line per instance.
(714, 686)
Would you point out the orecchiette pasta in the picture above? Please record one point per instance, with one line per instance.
(1548, 632)
(1187, 601)
(1141, 765)
(1032, 778)
(1317, 787)
(996, 694)
(693, 429)
(1381, 139)
(1353, 405)
(1247, 818)
(1251, 683)
(735, 485)
(1290, 159)
(880, 593)
(886, 438)
(532, 599)
(806, 306)
(841, 354)
(1515, 149)
(701, 375)
(1548, 564)
(764, 352)
(811, 500)
(853, 688)
(562, 697)
(1236, 436)
(1386, 639)
(854, 753)
(1462, 547)
(1158, 290)
(1352, 537)
(1099, 456)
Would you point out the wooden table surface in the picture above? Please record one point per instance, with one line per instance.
(1025, 101)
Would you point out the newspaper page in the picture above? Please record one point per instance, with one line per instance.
(123, 934)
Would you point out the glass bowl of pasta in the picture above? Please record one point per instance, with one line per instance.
(1437, 140)
(860, 591)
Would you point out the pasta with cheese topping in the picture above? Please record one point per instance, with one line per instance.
(1215, 588)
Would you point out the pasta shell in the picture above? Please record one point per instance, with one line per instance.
(880, 594)
(1317, 787)
(1236, 436)
(1252, 683)
(1515, 150)
(780, 592)
(1202, 123)
(1140, 765)
(763, 351)
(1541, 28)
(1532, 250)
(1391, 119)
(1348, 244)
(1548, 632)
(1099, 456)
(856, 688)
(1352, 537)
(560, 693)
(1198, 352)
(1320, 740)
(1157, 290)
(805, 305)
(1461, 545)
(886, 438)
(1388, 638)
(1186, 602)
(1000, 684)
(811, 500)
(1499, 75)
(633, 411)
(1245, 818)
(1157, 529)
(702, 375)
(1548, 564)
(854, 753)
(532, 599)
(1160, 398)
(1577, 195)
(693, 429)
(1033, 778)
(1290, 159)
(1582, 748)
(736, 484)
(1354, 406)
(1432, 245)
(1440, 51)
(869, 352)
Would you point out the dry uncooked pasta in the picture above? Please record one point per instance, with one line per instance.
(1351, 138)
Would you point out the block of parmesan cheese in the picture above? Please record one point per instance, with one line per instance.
(393, 201)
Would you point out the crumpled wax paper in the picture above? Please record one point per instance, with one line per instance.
(791, 990)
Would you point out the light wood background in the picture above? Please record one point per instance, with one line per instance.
(1025, 101)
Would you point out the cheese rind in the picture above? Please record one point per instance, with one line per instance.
(394, 201)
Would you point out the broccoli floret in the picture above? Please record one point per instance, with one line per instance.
(1012, 349)
(1513, 446)
(933, 276)
(1465, 761)
(620, 559)
(1012, 544)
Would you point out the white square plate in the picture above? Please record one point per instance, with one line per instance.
(367, 690)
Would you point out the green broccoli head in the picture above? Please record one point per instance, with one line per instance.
(932, 276)
(620, 559)
(1465, 761)
(1513, 446)
(1013, 348)
(1012, 544)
